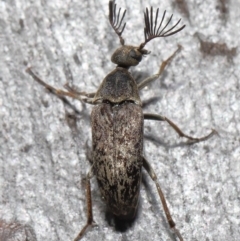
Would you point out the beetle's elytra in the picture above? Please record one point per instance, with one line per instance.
(117, 123)
(117, 147)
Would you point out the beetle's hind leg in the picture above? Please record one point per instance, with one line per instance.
(152, 174)
(71, 93)
(90, 221)
(149, 116)
(152, 78)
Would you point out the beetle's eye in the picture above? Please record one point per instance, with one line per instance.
(144, 52)
(133, 54)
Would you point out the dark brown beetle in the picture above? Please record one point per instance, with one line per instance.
(117, 124)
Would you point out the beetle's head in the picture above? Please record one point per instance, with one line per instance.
(127, 56)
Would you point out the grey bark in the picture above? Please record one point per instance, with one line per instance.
(44, 143)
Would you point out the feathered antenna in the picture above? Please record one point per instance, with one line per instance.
(151, 30)
(114, 20)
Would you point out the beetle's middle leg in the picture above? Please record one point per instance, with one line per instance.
(152, 174)
(90, 221)
(149, 116)
(152, 78)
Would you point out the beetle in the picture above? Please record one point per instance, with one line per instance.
(117, 122)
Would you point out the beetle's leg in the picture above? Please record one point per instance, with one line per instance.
(152, 174)
(70, 89)
(149, 116)
(59, 92)
(90, 221)
(152, 78)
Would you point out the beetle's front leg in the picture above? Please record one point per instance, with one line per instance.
(71, 89)
(152, 78)
(90, 221)
(149, 116)
(61, 93)
(152, 174)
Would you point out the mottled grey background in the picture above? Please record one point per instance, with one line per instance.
(43, 142)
